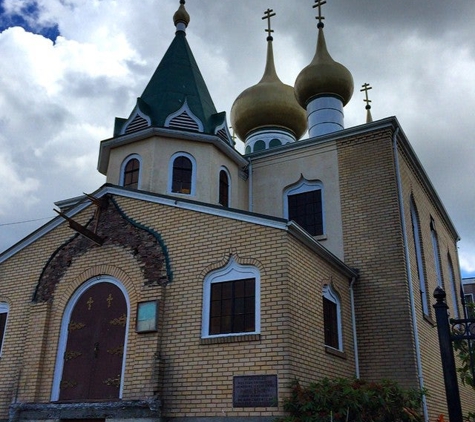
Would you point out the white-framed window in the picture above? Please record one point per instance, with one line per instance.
(435, 248)
(453, 287)
(231, 301)
(224, 190)
(303, 203)
(182, 174)
(332, 318)
(419, 258)
(131, 172)
(4, 309)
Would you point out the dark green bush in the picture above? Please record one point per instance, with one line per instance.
(351, 400)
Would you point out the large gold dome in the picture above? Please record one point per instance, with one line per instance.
(269, 103)
(323, 76)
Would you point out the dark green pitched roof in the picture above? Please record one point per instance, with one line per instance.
(177, 79)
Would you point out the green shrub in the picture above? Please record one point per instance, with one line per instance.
(351, 400)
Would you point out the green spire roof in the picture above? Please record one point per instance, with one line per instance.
(176, 86)
(177, 79)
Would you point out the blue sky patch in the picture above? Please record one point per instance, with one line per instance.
(28, 16)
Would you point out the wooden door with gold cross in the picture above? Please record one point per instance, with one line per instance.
(94, 350)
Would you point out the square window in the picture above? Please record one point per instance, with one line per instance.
(147, 317)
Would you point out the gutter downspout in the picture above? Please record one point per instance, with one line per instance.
(409, 276)
(251, 196)
(353, 318)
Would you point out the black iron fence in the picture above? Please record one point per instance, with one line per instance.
(452, 331)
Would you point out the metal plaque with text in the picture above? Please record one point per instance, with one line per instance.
(255, 391)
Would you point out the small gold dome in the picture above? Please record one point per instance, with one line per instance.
(323, 76)
(181, 15)
(269, 103)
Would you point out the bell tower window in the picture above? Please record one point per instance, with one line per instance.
(130, 174)
(224, 188)
(182, 174)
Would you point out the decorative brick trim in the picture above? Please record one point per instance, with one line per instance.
(231, 339)
(117, 230)
(226, 258)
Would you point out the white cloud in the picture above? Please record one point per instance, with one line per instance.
(57, 101)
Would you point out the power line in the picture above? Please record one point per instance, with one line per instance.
(25, 221)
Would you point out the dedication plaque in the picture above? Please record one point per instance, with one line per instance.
(255, 391)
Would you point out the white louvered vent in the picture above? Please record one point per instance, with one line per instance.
(184, 121)
(138, 123)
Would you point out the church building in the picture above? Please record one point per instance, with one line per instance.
(199, 281)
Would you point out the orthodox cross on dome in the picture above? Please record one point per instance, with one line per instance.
(233, 136)
(365, 88)
(269, 13)
(319, 4)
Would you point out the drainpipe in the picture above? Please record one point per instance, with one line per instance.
(355, 339)
(409, 276)
(251, 196)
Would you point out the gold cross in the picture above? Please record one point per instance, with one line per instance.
(89, 303)
(269, 13)
(319, 4)
(366, 87)
(109, 300)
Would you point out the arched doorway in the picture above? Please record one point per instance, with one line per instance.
(91, 354)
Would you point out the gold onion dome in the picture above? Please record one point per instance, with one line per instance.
(181, 15)
(268, 104)
(323, 77)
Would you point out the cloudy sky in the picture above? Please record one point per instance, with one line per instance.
(69, 67)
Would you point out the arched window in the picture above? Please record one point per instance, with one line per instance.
(260, 145)
(130, 174)
(4, 308)
(90, 363)
(419, 258)
(332, 318)
(435, 248)
(224, 188)
(231, 301)
(182, 174)
(303, 203)
(453, 288)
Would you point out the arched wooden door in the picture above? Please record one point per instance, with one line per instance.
(93, 358)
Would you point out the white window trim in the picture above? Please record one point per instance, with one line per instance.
(232, 271)
(222, 168)
(419, 261)
(4, 309)
(124, 164)
(303, 186)
(329, 293)
(193, 174)
(63, 337)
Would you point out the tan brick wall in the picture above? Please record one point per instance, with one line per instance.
(430, 355)
(373, 244)
(309, 360)
(192, 377)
